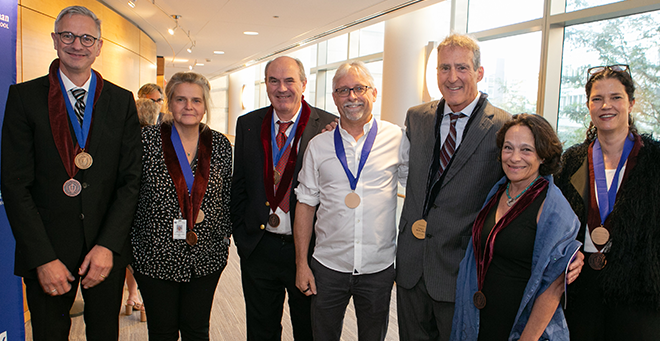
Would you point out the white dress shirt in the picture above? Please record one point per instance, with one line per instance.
(69, 86)
(360, 240)
(460, 124)
(285, 218)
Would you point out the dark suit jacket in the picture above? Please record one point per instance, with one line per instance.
(473, 171)
(249, 213)
(47, 224)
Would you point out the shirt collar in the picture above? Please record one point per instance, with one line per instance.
(276, 117)
(467, 111)
(68, 84)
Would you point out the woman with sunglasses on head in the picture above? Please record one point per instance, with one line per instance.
(611, 182)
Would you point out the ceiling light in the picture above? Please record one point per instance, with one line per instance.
(176, 24)
(190, 67)
(250, 33)
(171, 30)
(190, 48)
(199, 64)
(218, 52)
(131, 3)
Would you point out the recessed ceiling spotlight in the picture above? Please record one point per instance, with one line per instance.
(250, 33)
(218, 52)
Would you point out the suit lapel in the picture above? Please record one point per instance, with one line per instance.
(475, 135)
(580, 180)
(101, 110)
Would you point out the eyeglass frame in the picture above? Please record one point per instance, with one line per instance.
(80, 38)
(160, 100)
(623, 67)
(354, 89)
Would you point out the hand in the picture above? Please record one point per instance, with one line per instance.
(54, 278)
(97, 265)
(331, 126)
(576, 267)
(305, 280)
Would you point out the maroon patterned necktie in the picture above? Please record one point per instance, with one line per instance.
(449, 146)
(281, 164)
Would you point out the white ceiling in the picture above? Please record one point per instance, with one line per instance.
(219, 25)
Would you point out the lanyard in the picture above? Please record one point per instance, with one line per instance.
(183, 160)
(606, 198)
(81, 132)
(366, 149)
(277, 153)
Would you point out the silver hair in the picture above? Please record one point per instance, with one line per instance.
(301, 68)
(71, 10)
(356, 65)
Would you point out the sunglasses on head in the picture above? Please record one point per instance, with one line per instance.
(616, 68)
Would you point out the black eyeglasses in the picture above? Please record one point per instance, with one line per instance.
(160, 100)
(358, 90)
(85, 40)
(616, 68)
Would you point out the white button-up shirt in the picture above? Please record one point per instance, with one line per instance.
(360, 240)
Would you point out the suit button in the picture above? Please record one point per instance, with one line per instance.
(262, 227)
(82, 216)
(267, 203)
(429, 236)
(84, 185)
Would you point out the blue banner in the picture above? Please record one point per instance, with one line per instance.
(12, 326)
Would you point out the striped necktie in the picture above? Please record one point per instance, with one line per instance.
(79, 108)
(449, 146)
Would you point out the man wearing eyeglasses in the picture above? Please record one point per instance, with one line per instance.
(71, 165)
(155, 93)
(351, 174)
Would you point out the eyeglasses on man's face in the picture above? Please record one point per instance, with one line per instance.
(616, 68)
(160, 100)
(86, 40)
(357, 90)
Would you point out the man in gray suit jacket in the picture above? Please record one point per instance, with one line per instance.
(453, 165)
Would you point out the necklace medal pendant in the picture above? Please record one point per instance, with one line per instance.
(200, 217)
(419, 229)
(479, 300)
(597, 261)
(273, 220)
(276, 176)
(352, 200)
(72, 187)
(510, 201)
(83, 160)
(191, 238)
(600, 235)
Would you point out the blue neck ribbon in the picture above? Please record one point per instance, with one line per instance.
(277, 153)
(183, 160)
(366, 149)
(81, 132)
(606, 198)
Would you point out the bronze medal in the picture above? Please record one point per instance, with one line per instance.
(191, 238)
(200, 217)
(600, 235)
(597, 261)
(274, 220)
(276, 176)
(419, 229)
(83, 160)
(479, 300)
(72, 187)
(352, 200)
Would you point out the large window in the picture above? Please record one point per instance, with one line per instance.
(632, 40)
(488, 14)
(574, 5)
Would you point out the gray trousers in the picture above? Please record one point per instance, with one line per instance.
(371, 296)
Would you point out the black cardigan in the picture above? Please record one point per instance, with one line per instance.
(632, 274)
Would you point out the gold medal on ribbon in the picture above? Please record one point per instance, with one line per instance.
(274, 220)
(83, 160)
(200, 217)
(191, 238)
(276, 176)
(600, 235)
(72, 187)
(419, 229)
(597, 261)
(352, 200)
(479, 300)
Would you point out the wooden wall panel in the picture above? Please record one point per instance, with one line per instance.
(128, 56)
(37, 46)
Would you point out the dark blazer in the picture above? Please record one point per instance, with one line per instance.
(474, 169)
(249, 213)
(47, 224)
